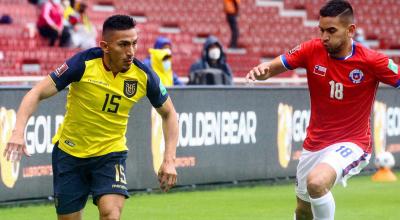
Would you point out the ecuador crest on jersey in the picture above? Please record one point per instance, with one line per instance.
(130, 88)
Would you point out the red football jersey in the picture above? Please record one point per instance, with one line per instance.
(342, 92)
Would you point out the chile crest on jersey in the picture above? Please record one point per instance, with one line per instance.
(356, 76)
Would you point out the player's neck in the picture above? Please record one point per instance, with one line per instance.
(346, 52)
(108, 65)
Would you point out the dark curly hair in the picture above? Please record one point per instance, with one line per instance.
(341, 8)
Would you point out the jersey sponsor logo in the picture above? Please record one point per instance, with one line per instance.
(356, 76)
(393, 66)
(320, 70)
(61, 69)
(298, 47)
(69, 143)
(130, 88)
(98, 82)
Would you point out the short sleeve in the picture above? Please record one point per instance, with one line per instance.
(386, 70)
(297, 56)
(156, 92)
(70, 71)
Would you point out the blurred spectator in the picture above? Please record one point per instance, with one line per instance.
(85, 34)
(360, 36)
(37, 2)
(160, 60)
(231, 8)
(155, 57)
(212, 60)
(50, 23)
(69, 12)
(6, 19)
(70, 18)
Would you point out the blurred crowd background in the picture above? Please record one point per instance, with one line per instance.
(36, 36)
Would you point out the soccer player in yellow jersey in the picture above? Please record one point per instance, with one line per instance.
(90, 146)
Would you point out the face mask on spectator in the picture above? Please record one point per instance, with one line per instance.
(169, 52)
(214, 53)
(167, 64)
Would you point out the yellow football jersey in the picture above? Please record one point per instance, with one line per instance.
(98, 103)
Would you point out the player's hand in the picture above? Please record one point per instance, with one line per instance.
(259, 72)
(167, 175)
(15, 148)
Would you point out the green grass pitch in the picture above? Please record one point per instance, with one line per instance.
(361, 199)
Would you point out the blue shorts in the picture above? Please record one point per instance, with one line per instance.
(74, 179)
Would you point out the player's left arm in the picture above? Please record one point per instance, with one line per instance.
(386, 70)
(167, 174)
(160, 100)
(266, 70)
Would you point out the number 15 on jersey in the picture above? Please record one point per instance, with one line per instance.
(111, 104)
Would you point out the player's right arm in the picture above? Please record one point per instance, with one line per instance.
(71, 71)
(16, 145)
(266, 70)
(296, 57)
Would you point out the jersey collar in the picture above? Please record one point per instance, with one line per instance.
(106, 68)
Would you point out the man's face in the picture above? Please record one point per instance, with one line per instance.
(334, 34)
(121, 48)
(166, 46)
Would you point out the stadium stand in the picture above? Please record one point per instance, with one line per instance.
(267, 29)
(385, 27)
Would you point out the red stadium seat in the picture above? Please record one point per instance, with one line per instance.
(263, 31)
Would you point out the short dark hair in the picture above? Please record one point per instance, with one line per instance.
(118, 23)
(341, 8)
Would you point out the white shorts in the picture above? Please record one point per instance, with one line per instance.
(346, 158)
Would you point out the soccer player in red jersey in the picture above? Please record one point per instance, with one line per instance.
(343, 78)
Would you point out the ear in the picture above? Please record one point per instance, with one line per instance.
(104, 46)
(351, 30)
